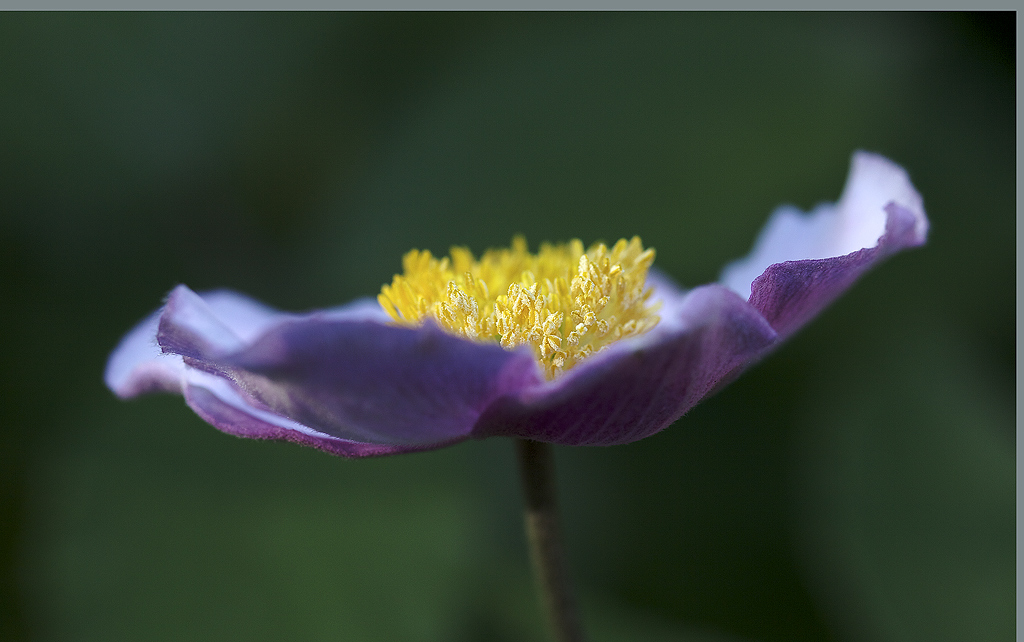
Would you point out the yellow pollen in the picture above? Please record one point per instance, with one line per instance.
(563, 302)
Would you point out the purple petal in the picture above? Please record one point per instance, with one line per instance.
(348, 377)
(639, 386)
(221, 405)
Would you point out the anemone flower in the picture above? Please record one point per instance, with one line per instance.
(569, 345)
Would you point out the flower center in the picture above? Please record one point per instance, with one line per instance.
(563, 302)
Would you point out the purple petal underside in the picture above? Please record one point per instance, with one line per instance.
(217, 402)
(639, 386)
(349, 377)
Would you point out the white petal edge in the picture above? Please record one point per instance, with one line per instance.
(137, 364)
(225, 319)
(855, 222)
(248, 318)
(226, 392)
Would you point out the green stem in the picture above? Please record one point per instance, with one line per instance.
(537, 468)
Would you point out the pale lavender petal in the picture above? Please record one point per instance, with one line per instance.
(855, 222)
(639, 386)
(666, 291)
(248, 318)
(245, 317)
(191, 328)
(137, 365)
(224, 322)
(364, 309)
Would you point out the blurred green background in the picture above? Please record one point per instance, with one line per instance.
(858, 485)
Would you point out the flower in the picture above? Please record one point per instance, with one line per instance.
(425, 369)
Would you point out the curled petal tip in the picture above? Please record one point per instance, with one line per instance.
(802, 262)
(875, 188)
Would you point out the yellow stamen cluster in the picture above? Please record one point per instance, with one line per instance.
(562, 301)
